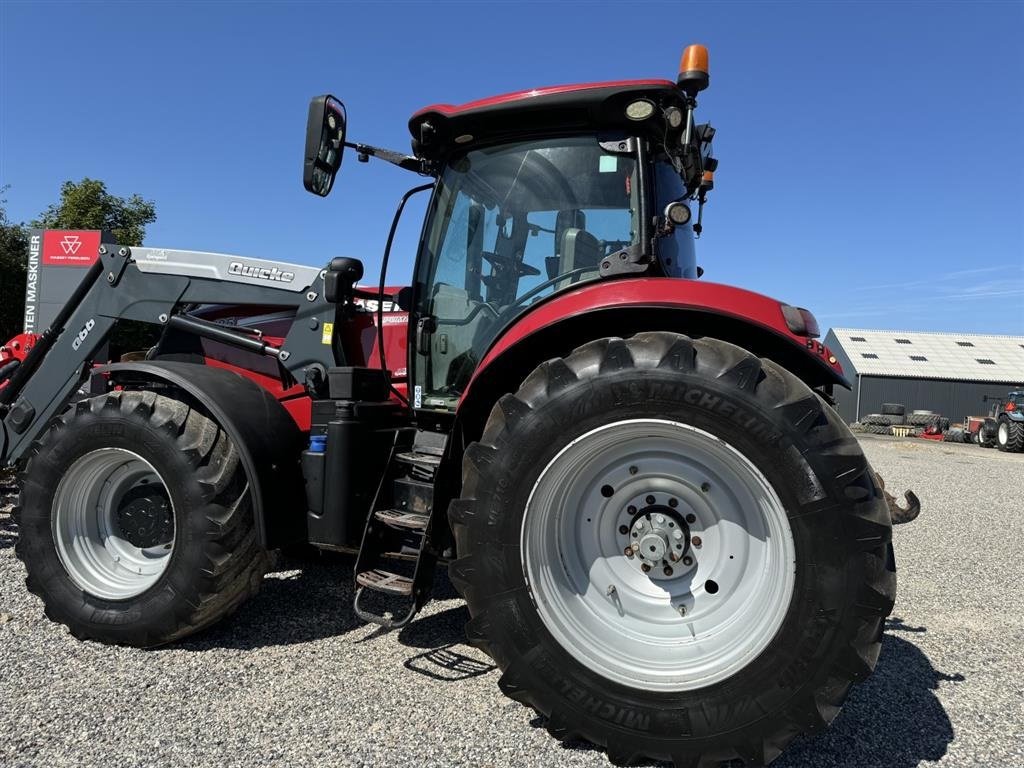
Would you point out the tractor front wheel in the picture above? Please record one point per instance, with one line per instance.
(135, 520)
(673, 549)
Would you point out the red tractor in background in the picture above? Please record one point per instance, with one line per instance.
(668, 540)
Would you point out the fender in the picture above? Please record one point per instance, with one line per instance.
(622, 307)
(268, 440)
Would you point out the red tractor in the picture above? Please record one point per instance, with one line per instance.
(668, 540)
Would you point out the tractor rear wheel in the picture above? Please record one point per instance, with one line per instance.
(135, 521)
(673, 549)
(1010, 436)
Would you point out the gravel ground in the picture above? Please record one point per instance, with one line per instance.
(293, 679)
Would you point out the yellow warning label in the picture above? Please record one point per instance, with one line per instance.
(328, 333)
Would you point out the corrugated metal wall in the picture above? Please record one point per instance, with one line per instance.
(955, 399)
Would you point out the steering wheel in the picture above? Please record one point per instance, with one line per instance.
(546, 284)
(522, 269)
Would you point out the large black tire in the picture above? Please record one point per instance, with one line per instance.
(1010, 436)
(988, 433)
(882, 420)
(216, 562)
(845, 573)
(893, 409)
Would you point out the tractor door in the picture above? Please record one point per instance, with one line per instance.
(510, 225)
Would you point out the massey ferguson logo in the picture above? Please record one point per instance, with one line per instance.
(70, 244)
(261, 273)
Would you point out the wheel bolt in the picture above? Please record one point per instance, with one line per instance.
(668, 570)
(628, 552)
(650, 499)
(691, 518)
(660, 519)
(633, 470)
(673, 503)
(696, 541)
(631, 509)
(645, 567)
(611, 590)
(687, 560)
(682, 610)
(677, 535)
(623, 529)
(705, 487)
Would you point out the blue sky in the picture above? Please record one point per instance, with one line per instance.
(872, 154)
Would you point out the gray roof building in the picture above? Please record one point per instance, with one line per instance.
(949, 373)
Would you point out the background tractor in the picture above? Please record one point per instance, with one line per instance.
(668, 540)
(1010, 423)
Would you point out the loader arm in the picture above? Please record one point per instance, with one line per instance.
(154, 285)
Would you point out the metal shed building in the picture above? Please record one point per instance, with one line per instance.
(949, 373)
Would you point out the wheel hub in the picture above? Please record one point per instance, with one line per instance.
(659, 540)
(144, 517)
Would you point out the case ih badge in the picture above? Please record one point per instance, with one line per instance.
(668, 540)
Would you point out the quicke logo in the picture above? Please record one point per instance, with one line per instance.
(261, 273)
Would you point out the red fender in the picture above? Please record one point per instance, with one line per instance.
(662, 293)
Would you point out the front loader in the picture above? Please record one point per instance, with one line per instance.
(668, 540)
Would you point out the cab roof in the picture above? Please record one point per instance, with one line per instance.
(440, 128)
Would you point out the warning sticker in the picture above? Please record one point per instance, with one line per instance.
(327, 334)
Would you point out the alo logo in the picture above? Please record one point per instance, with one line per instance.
(82, 334)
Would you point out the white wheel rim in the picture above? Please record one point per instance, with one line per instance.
(1004, 433)
(651, 630)
(88, 529)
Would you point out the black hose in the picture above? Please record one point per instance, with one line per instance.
(8, 369)
(383, 278)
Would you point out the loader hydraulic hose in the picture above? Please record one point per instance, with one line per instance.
(49, 337)
(222, 334)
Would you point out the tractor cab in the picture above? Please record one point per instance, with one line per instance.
(580, 195)
(537, 193)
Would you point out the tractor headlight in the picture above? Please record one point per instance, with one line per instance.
(678, 213)
(640, 109)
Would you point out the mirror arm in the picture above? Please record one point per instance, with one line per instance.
(408, 162)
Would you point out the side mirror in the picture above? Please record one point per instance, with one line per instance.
(325, 142)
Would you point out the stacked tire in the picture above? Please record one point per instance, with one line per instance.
(954, 435)
(928, 419)
(882, 419)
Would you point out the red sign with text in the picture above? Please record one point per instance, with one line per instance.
(71, 248)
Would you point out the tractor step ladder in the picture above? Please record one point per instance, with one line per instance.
(395, 567)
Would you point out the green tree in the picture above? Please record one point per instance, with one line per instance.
(88, 205)
(13, 260)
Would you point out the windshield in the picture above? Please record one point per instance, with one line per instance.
(511, 225)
